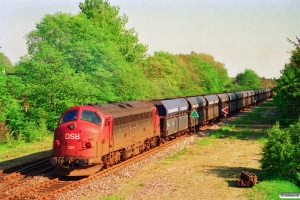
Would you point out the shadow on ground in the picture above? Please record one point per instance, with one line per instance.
(25, 159)
(232, 174)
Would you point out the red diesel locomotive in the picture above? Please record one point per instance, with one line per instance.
(91, 137)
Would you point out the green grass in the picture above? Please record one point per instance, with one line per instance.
(16, 149)
(244, 127)
(204, 142)
(176, 155)
(270, 189)
(142, 184)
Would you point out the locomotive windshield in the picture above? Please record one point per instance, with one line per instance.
(69, 116)
(90, 116)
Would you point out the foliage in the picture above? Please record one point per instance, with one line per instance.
(5, 63)
(183, 75)
(10, 106)
(282, 150)
(105, 16)
(288, 88)
(77, 59)
(267, 82)
(166, 75)
(208, 76)
(222, 74)
(248, 80)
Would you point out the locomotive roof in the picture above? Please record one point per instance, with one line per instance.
(125, 108)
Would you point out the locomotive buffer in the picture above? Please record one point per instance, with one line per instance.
(194, 115)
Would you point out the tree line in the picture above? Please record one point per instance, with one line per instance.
(92, 57)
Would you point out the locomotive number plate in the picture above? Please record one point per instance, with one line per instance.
(71, 147)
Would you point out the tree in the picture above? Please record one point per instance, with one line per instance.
(161, 69)
(5, 63)
(288, 86)
(11, 107)
(268, 82)
(105, 16)
(248, 80)
(207, 74)
(220, 69)
(77, 59)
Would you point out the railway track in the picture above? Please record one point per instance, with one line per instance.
(22, 174)
(50, 186)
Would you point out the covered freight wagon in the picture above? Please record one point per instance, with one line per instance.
(173, 114)
(197, 103)
(212, 106)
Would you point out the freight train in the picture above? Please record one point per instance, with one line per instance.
(95, 136)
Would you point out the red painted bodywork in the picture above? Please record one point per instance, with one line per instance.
(72, 142)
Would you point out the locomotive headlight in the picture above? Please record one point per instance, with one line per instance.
(88, 144)
(72, 126)
(56, 143)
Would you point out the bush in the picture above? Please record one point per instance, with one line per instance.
(282, 151)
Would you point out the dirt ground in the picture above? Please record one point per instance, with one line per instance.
(203, 172)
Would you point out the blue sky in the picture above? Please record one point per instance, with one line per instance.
(241, 34)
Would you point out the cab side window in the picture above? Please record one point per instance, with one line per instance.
(90, 116)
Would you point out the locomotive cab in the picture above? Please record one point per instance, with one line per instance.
(75, 147)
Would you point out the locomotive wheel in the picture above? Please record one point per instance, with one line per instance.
(117, 157)
(147, 145)
(153, 142)
(105, 160)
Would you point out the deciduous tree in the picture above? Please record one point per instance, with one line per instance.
(288, 86)
(248, 80)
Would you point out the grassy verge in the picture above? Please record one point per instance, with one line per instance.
(14, 150)
(253, 126)
(270, 189)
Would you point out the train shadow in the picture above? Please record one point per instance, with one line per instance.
(24, 159)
